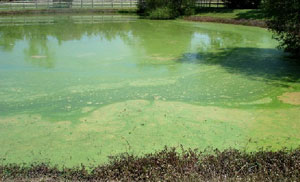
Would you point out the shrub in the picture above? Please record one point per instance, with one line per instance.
(162, 14)
(284, 20)
(170, 165)
(242, 4)
(189, 11)
(174, 8)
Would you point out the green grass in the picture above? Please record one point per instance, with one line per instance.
(250, 14)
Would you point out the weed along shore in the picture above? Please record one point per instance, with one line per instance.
(174, 90)
(170, 165)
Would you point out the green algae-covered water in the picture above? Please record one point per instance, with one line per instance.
(76, 89)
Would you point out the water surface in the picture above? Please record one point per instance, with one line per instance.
(76, 89)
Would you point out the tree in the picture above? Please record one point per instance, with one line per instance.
(284, 20)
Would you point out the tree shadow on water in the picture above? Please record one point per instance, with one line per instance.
(255, 63)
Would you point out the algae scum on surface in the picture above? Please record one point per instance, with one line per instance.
(76, 89)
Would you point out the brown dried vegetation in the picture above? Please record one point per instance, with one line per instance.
(169, 165)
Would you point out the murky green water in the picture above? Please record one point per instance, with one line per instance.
(76, 89)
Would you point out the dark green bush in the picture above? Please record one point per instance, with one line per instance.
(173, 8)
(189, 11)
(242, 4)
(161, 14)
(284, 20)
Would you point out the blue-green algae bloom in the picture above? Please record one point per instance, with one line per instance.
(75, 89)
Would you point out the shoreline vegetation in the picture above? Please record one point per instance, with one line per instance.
(171, 165)
(247, 17)
(245, 22)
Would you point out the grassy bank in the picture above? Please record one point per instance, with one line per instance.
(256, 23)
(169, 165)
(247, 14)
(248, 17)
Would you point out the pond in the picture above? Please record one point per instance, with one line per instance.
(79, 88)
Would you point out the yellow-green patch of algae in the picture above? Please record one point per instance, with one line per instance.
(141, 126)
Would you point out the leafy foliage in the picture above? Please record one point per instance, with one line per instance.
(284, 20)
(170, 165)
(242, 4)
(161, 14)
(168, 8)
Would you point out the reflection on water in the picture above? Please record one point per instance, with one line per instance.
(91, 84)
(38, 31)
(75, 19)
(159, 40)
